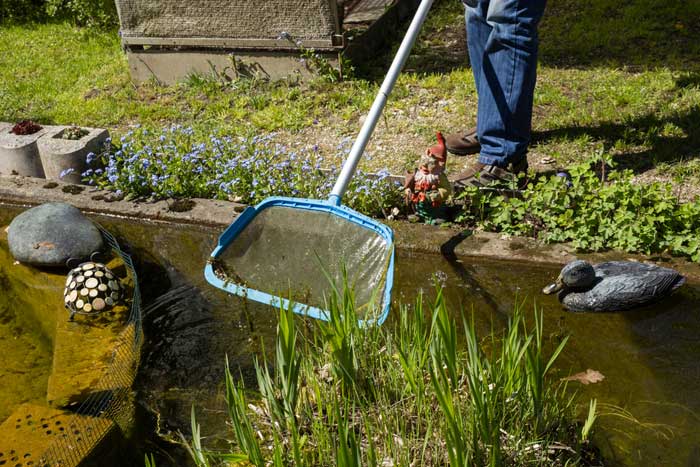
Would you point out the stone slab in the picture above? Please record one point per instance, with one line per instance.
(418, 237)
(58, 155)
(33, 191)
(34, 433)
(168, 66)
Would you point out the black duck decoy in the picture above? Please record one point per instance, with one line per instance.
(613, 286)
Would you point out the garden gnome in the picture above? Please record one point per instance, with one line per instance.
(427, 189)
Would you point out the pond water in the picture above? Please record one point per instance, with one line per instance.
(26, 353)
(650, 357)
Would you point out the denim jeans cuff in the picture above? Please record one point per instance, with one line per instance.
(498, 161)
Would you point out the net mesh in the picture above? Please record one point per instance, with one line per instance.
(112, 395)
(297, 254)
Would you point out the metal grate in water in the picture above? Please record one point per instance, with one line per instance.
(110, 404)
(31, 430)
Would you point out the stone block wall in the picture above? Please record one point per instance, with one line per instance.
(231, 19)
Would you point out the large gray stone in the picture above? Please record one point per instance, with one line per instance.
(50, 234)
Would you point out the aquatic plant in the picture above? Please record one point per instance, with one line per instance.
(179, 163)
(423, 393)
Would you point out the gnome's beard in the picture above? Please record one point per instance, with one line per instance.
(424, 180)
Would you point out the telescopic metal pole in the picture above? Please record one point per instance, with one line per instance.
(375, 111)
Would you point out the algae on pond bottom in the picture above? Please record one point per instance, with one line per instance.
(26, 362)
(25, 350)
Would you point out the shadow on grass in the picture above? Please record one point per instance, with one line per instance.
(664, 139)
(636, 33)
(596, 33)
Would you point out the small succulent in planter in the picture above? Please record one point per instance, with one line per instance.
(26, 127)
(74, 133)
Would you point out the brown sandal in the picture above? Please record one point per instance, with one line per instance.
(462, 144)
(484, 175)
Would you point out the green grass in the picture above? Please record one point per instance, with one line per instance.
(426, 392)
(60, 74)
(641, 33)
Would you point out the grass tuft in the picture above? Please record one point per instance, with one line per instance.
(419, 394)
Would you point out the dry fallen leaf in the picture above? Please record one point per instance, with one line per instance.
(47, 245)
(7, 229)
(586, 377)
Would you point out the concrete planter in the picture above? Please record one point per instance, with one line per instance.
(19, 154)
(59, 155)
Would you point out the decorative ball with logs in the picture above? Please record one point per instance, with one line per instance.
(91, 288)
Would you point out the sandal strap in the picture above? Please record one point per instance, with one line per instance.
(485, 175)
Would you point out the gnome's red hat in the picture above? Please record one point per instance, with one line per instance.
(439, 151)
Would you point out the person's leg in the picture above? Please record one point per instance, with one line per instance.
(507, 75)
(478, 32)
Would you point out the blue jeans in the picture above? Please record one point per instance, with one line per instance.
(502, 39)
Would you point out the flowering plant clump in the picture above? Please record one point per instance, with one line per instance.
(26, 127)
(178, 163)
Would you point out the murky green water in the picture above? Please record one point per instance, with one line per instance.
(25, 352)
(25, 362)
(650, 358)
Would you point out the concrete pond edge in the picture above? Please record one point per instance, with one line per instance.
(451, 242)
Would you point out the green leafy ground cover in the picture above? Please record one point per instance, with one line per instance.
(420, 394)
(100, 14)
(593, 214)
(618, 81)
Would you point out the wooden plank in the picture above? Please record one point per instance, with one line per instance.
(367, 11)
(332, 43)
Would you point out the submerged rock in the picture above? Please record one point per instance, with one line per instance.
(50, 234)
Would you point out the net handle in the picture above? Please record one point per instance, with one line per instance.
(375, 111)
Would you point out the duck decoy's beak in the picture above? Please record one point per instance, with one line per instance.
(555, 287)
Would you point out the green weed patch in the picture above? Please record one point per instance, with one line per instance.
(593, 214)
